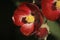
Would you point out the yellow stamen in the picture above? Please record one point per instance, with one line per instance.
(30, 18)
(58, 4)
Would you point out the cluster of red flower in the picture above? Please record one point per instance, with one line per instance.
(29, 18)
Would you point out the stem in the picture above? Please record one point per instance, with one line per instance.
(33, 1)
(40, 39)
(45, 20)
(43, 38)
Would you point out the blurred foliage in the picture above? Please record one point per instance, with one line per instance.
(54, 28)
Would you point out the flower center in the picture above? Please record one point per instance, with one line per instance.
(30, 18)
(58, 4)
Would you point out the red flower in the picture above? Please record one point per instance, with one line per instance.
(28, 16)
(42, 33)
(50, 10)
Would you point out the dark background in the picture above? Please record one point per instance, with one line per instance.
(9, 31)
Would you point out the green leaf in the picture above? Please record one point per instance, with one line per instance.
(54, 28)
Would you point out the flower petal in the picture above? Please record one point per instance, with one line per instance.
(27, 29)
